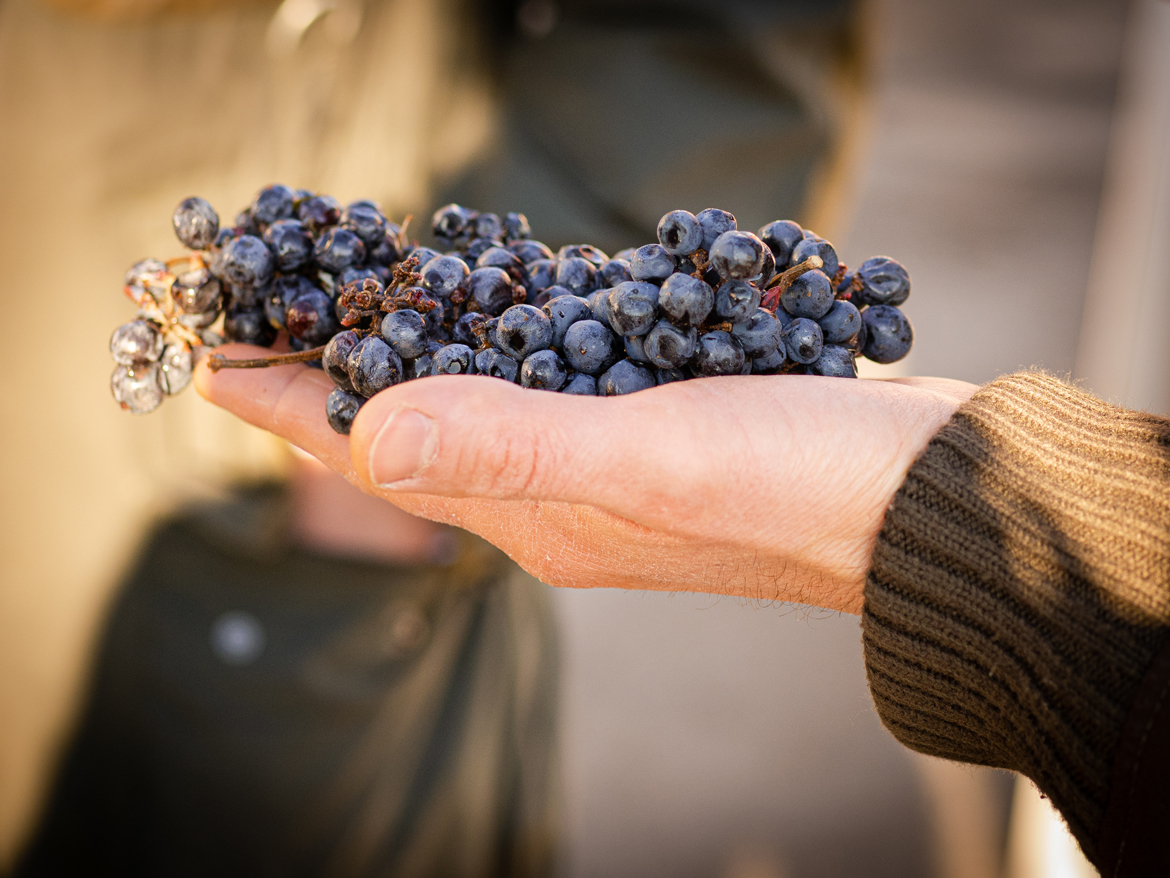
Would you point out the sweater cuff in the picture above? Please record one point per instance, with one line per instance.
(1020, 588)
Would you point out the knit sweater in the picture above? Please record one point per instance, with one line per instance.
(1018, 602)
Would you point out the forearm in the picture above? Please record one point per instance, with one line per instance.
(1020, 589)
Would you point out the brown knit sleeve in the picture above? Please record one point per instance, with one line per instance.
(1020, 588)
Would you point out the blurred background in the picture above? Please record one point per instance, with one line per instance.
(1015, 156)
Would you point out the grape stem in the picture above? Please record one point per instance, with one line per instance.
(215, 362)
(781, 282)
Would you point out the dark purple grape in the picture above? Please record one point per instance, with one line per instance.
(523, 330)
(338, 249)
(373, 366)
(248, 326)
(588, 252)
(290, 244)
(812, 247)
(494, 364)
(196, 223)
(311, 319)
(811, 295)
(669, 347)
(341, 407)
(737, 300)
(580, 385)
(281, 294)
(577, 274)
(319, 213)
(443, 275)
(803, 340)
(888, 334)
(451, 221)
(834, 362)
(737, 255)
(686, 300)
(386, 251)
(884, 281)
(489, 226)
(635, 349)
(590, 347)
(335, 359)
(669, 376)
(714, 222)
(781, 237)
(625, 377)
(680, 233)
(530, 251)
(542, 274)
(652, 263)
(759, 335)
(247, 262)
(406, 333)
(770, 364)
(197, 292)
(490, 289)
(543, 370)
(136, 343)
(365, 220)
(718, 353)
(598, 303)
(273, 203)
(453, 359)
(563, 311)
(614, 272)
(841, 324)
(500, 258)
(516, 227)
(633, 307)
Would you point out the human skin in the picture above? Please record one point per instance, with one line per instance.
(770, 488)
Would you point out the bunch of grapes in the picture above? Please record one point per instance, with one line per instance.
(358, 300)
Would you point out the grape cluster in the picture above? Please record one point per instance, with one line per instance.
(372, 310)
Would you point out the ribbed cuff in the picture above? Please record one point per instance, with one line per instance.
(1020, 588)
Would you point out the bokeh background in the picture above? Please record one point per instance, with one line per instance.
(1015, 155)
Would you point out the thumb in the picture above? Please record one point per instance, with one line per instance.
(470, 436)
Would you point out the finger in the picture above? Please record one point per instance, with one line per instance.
(286, 400)
(465, 436)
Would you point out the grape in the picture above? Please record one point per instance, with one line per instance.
(196, 223)
(883, 282)
(888, 334)
(175, 367)
(136, 388)
(494, 364)
(136, 343)
(737, 255)
(624, 377)
(680, 233)
(405, 332)
(581, 385)
(523, 330)
(273, 203)
(686, 300)
(453, 359)
(543, 370)
(803, 340)
(373, 366)
(696, 303)
(811, 295)
(718, 353)
(341, 407)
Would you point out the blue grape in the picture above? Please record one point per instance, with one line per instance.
(578, 274)
(718, 353)
(338, 249)
(737, 300)
(652, 263)
(335, 359)
(737, 255)
(281, 294)
(633, 307)
(669, 376)
(443, 275)
(196, 223)
(680, 233)
(803, 340)
(884, 281)
(543, 370)
(311, 318)
(581, 385)
(625, 377)
(810, 247)
(500, 258)
(406, 333)
(588, 252)
(669, 347)
(319, 213)
(291, 246)
(889, 334)
(249, 326)
(488, 226)
(841, 324)
(635, 350)
(770, 364)
(341, 407)
(563, 311)
(453, 359)
(451, 221)
(373, 366)
(530, 251)
(614, 272)
(365, 220)
(494, 364)
(523, 330)
(834, 362)
(516, 227)
(759, 335)
(811, 295)
(491, 289)
(247, 262)
(590, 347)
(273, 203)
(714, 223)
(686, 300)
(782, 237)
(542, 274)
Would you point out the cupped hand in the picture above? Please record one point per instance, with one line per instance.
(769, 488)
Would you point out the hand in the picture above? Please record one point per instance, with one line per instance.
(769, 488)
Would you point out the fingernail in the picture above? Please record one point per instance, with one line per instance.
(405, 446)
